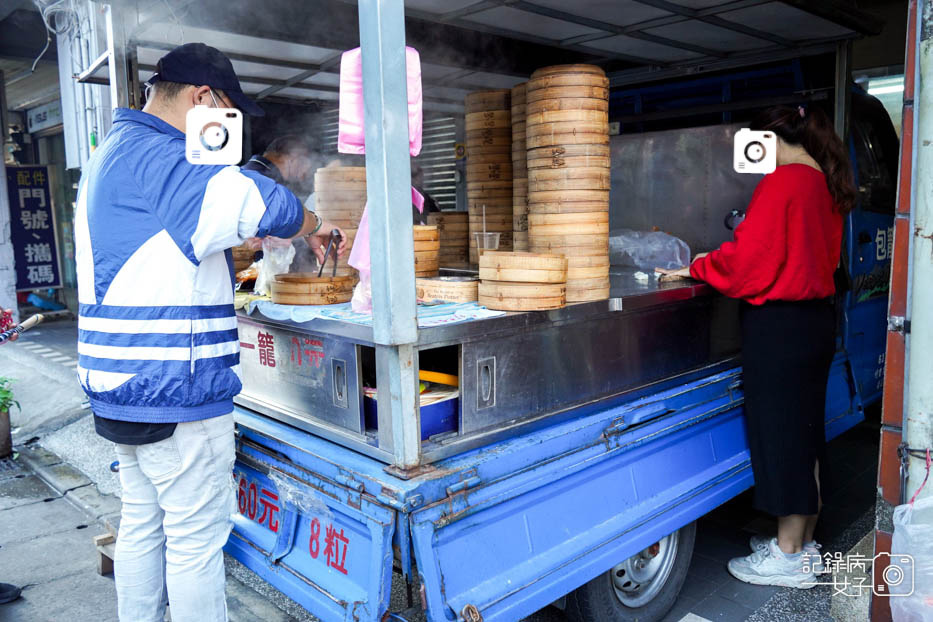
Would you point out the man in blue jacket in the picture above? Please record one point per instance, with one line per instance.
(157, 339)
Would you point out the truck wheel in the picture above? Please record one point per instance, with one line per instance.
(643, 588)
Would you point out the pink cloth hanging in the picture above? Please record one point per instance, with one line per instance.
(361, 260)
(350, 135)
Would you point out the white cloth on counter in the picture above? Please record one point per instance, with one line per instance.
(428, 316)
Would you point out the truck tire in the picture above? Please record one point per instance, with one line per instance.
(643, 588)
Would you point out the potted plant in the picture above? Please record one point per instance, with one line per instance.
(6, 401)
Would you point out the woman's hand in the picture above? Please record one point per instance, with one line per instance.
(683, 273)
(700, 256)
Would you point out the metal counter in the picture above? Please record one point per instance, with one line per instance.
(518, 370)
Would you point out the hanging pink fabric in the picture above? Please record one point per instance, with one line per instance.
(360, 257)
(350, 135)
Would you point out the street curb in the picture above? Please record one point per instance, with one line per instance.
(72, 485)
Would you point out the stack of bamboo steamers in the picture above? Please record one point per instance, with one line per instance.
(339, 198)
(567, 134)
(489, 166)
(519, 171)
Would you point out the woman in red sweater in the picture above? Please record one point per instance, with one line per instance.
(781, 265)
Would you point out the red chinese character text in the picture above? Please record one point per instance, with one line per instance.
(268, 500)
(335, 550)
(266, 349)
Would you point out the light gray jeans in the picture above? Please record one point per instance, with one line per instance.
(178, 498)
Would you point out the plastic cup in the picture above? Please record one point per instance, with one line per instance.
(486, 241)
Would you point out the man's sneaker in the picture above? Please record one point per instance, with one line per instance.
(8, 593)
(811, 550)
(770, 566)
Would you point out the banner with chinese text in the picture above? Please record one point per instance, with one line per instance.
(32, 228)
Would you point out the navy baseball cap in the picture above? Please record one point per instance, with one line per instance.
(202, 65)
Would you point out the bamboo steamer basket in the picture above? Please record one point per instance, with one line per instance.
(447, 289)
(488, 119)
(567, 116)
(571, 68)
(489, 171)
(559, 162)
(587, 218)
(427, 245)
(309, 289)
(425, 232)
(517, 94)
(592, 179)
(481, 101)
(552, 196)
(566, 207)
(522, 296)
(589, 295)
(488, 153)
(565, 92)
(522, 267)
(560, 128)
(570, 240)
(549, 140)
(568, 151)
(566, 103)
(445, 220)
(568, 79)
(340, 173)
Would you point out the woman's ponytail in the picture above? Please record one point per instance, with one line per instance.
(813, 130)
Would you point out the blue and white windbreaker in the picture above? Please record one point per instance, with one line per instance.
(157, 338)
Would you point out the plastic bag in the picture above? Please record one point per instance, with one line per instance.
(647, 250)
(350, 131)
(911, 564)
(277, 255)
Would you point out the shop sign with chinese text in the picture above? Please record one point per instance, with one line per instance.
(32, 228)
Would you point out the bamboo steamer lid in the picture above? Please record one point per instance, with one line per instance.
(596, 173)
(568, 80)
(600, 260)
(560, 162)
(479, 101)
(567, 116)
(549, 140)
(522, 296)
(566, 92)
(594, 240)
(571, 68)
(552, 196)
(447, 289)
(520, 275)
(566, 103)
(488, 119)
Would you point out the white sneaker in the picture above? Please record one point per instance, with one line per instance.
(811, 551)
(770, 566)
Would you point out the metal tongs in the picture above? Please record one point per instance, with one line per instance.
(334, 243)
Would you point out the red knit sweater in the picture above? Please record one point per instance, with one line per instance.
(788, 246)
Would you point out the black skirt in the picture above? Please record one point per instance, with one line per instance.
(787, 350)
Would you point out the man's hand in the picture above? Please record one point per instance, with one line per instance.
(14, 336)
(318, 242)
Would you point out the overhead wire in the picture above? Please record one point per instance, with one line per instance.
(60, 18)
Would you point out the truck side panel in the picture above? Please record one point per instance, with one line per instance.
(509, 546)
